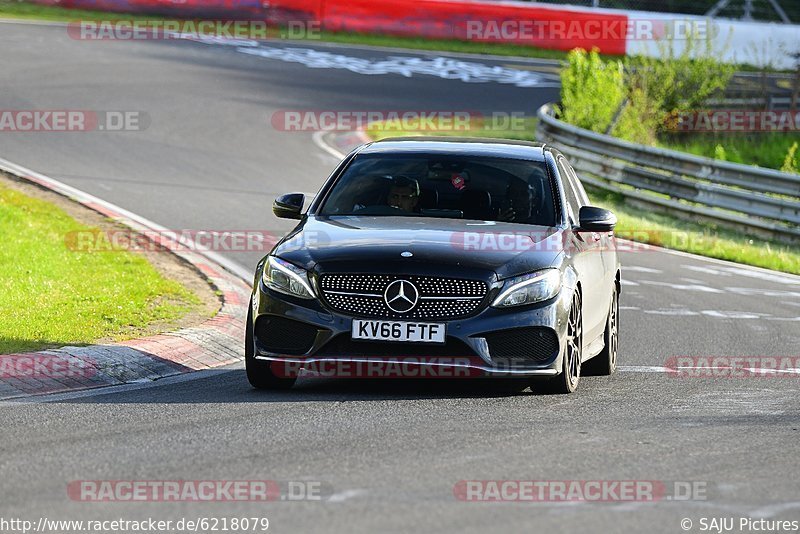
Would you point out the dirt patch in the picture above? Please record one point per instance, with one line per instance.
(167, 264)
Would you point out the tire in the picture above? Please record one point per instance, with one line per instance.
(259, 373)
(605, 363)
(568, 380)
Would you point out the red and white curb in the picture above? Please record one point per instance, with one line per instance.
(339, 144)
(215, 342)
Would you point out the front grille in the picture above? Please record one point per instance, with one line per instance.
(286, 336)
(343, 346)
(362, 295)
(533, 344)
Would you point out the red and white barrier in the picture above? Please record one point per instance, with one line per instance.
(763, 44)
(614, 32)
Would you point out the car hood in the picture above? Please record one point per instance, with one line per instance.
(365, 244)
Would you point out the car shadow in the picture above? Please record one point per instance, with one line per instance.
(230, 386)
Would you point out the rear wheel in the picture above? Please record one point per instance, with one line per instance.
(567, 381)
(259, 373)
(605, 363)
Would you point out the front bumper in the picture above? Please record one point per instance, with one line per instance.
(471, 348)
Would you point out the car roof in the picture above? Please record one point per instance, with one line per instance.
(461, 146)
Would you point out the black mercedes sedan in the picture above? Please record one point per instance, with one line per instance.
(434, 257)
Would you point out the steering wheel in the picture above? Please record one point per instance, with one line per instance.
(382, 209)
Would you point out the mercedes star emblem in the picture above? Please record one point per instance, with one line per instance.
(401, 296)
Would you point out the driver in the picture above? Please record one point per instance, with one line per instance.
(404, 193)
(520, 199)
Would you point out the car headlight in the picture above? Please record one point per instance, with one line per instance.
(529, 288)
(286, 278)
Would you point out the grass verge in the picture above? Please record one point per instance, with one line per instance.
(657, 229)
(703, 239)
(766, 150)
(517, 128)
(444, 45)
(51, 295)
(11, 9)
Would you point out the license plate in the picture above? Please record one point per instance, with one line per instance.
(398, 331)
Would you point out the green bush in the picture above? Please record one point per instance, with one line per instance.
(685, 76)
(790, 163)
(592, 90)
(633, 99)
(720, 153)
(639, 119)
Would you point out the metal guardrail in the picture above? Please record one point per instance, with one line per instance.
(770, 102)
(756, 201)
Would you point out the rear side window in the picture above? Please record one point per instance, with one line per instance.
(577, 186)
(573, 203)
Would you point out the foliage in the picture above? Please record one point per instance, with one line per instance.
(790, 163)
(592, 90)
(633, 99)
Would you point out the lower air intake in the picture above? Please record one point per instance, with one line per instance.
(522, 345)
(285, 336)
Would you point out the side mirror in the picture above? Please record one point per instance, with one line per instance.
(289, 206)
(594, 219)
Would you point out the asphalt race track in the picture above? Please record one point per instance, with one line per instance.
(387, 454)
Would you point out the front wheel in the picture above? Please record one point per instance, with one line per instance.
(259, 373)
(567, 381)
(605, 363)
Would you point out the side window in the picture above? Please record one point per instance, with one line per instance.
(583, 198)
(573, 205)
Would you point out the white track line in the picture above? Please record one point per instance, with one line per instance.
(319, 140)
(642, 369)
(792, 277)
(208, 373)
(33, 22)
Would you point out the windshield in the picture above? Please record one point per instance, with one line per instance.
(477, 188)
